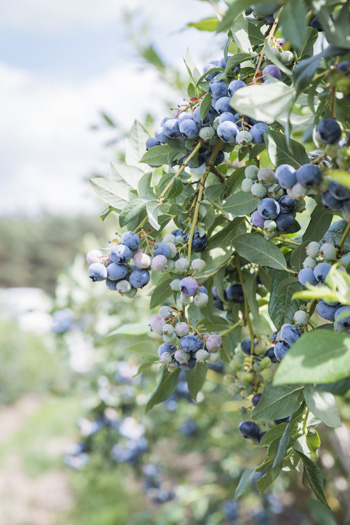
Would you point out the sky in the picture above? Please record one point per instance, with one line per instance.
(61, 64)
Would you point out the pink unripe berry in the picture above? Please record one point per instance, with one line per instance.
(156, 324)
(123, 286)
(182, 329)
(214, 343)
(142, 261)
(182, 357)
(93, 256)
(159, 263)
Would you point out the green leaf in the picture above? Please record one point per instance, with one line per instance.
(257, 250)
(131, 329)
(319, 356)
(166, 386)
(313, 440)
(135, 144)
(281, 306)
(157, 156)
(161, 292)
(312, 478)
(305, 70)
(131, 210)
(220, 246)
(278, 402)
(234, 60)
(205, 106)
(206, 24)
(274, 433)
(323, 406)
(293, 23)
(236, 8)
(335, 27)
(283, 445)
(265, 102)
(320, 514)
(244, 483)
(191, 67)
(196, 378)
(240, 204)
(108, 191)
(334, 233)
(144, 349)
(266, 481)
(320, 220)
(240, 33)
(298, 256)
(249, 288)
(130, 175)
(280, 152)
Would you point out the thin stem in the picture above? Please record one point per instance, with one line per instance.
(231, 328)
(288, 241)
(270, 35)
(213, 156)
(141, 225)
(246, 307)
(344, 236)
(307, 411)
(180, 170)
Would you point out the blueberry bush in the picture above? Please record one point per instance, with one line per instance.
(237, 229)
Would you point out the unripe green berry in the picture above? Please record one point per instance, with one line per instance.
(257, 366)
(246, 185)
(301, 318)
(201, 300)
(301, 206)
(270, 226)
(247, 390)
(245, 377)
(182, 357)
(184, 300)
(227, 379)
(169, 238)
(202, 356)
(173, 250)
(258, 190)
(175, 285)
(243, 138)
(164, 311)
(286, 57)
(328, 251)
(207, 133)
(170, 265)
(131, 294)
(239, 357)
(266, 176)
(198, 265)
(251, 172)
(312, 249)
(214, 357)
(182, 265)
(166, 358)
(168, 329)
(173, 366)
(265, 362)
(309, 262)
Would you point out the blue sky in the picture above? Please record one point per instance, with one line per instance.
(61, 62)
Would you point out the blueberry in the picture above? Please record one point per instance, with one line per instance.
(342, 322)
(282, 420)
(161, 248)
(227, 131)
(139, 278)
(326, 311)
(171, 128)
(93, 256)
(177, 233)
(268, 208)
(257, 132)
(245, 346)
(191, 364)
(346, 205)
(249, 429)
(256, 399)
(330, 202)
(219, 159)
(321, 271)
(151, 142)
(329, 131)
(309, 175)
(257, 220)
(62, 320)
(116, 272)
(316, 24)
(270, 352)
(160, 137)
(226, 116)
(208, 119)
(211, 65)
(307, 276)
(189, 286)
(234, 293)
(111, 285)
(188, 128)
(286, 176)
(217, 88)
(234, 86)
(290, 334)
(191, 343)
(287, 204)
(272, 71)
(131, 240)
(284, 222)
(223, 104)
(281, 350)
(170, 349)
(312, 249)
(199, 243)
(202, 289)
(338, 192)
(97, 272)
(120, 254)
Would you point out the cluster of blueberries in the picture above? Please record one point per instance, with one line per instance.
(152, 484)
(180, 348)
(125, 277)
(276, 209)
(316, 267)
(221, 121)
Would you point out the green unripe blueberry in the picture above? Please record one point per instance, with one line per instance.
(258, 190)
(251, 172)
(286, 57)
(173, 366)
(260, 348)
(164, 311)
(201, 300)
(173, 250)
(257, 366)
(123, 287)
(184, 300)
(166, 358)
(169, 238)
(266, 176)
(245, 377)
(247, 185)
(265, 363)
(236, 366)
(182, 265)
(168, 329)
(207, 133)
(301, 318)
(202, 356)
(170, 266)
(242, 411)
(328, 251)
(216, 123)
(345, 260)
(175, 284)
(239, 357)
(170, 339)
(243, 138)
(301, 206)
(227, 379)
(182, 357)
(343, 158)
(309, 262)
(198, 265)
(270, 225)
(312, 249)
(247, 390)
(214, 357)
(233, 389)
(131, 294)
